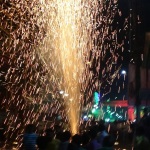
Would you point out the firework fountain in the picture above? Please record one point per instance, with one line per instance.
(67, 38)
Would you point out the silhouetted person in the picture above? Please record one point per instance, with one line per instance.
(42, 141)
(54, 143)
(144, 119)
(141, 141)
(108, 143)
(145, 122)
(65, 140)
(29, 138)
(85, 139)
(102, 133)
(75, 143)
(93, 145)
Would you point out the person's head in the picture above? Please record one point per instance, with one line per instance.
(58, 128)
(30, 128)
(59, 135)
(66, 136)
(85, 138)
(140, 131)
(76, 139)
(93, 132)
(102, 127)
(145, 111)
(49, 133)
(108, 141)
(102, 121)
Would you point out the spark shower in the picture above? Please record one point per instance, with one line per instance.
(67, 44)
(48, 46)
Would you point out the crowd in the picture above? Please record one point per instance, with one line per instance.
(95, 138)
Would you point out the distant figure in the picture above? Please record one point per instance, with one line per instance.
(108, 143)
(93, 145)
(65, 140)
(145, 122)
(144, 119)
(85, 140)
(141, 141)
(30, 137)
(42, 141)
(75, 143)
(55, 142)
(102, 134)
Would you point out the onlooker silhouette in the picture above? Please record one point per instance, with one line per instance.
(102, 134)
(42, 141)
(75, 143)
(141, 141)
(30, 137)
(54, 143)
(65, 140)
(108, 143)
(93, 145)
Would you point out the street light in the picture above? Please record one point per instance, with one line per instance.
(123, 72)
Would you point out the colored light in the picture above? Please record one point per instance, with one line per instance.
(93, 110)
(85, 117)
(107, 119)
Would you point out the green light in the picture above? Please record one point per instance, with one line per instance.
(108, 107)
(108, 100)
(89, 115)
(93, 110)
(96, 98)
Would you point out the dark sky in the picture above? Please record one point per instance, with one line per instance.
(135, 34)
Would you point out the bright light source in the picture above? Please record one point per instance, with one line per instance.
(95, 106)
(107, 119)
(15, 143)
(61, 92)
(116, 143)
(123, 72)
(134, 120)
(112, 113)
(89, 115)
(85, 117)
(93, 110)
(66, 94)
